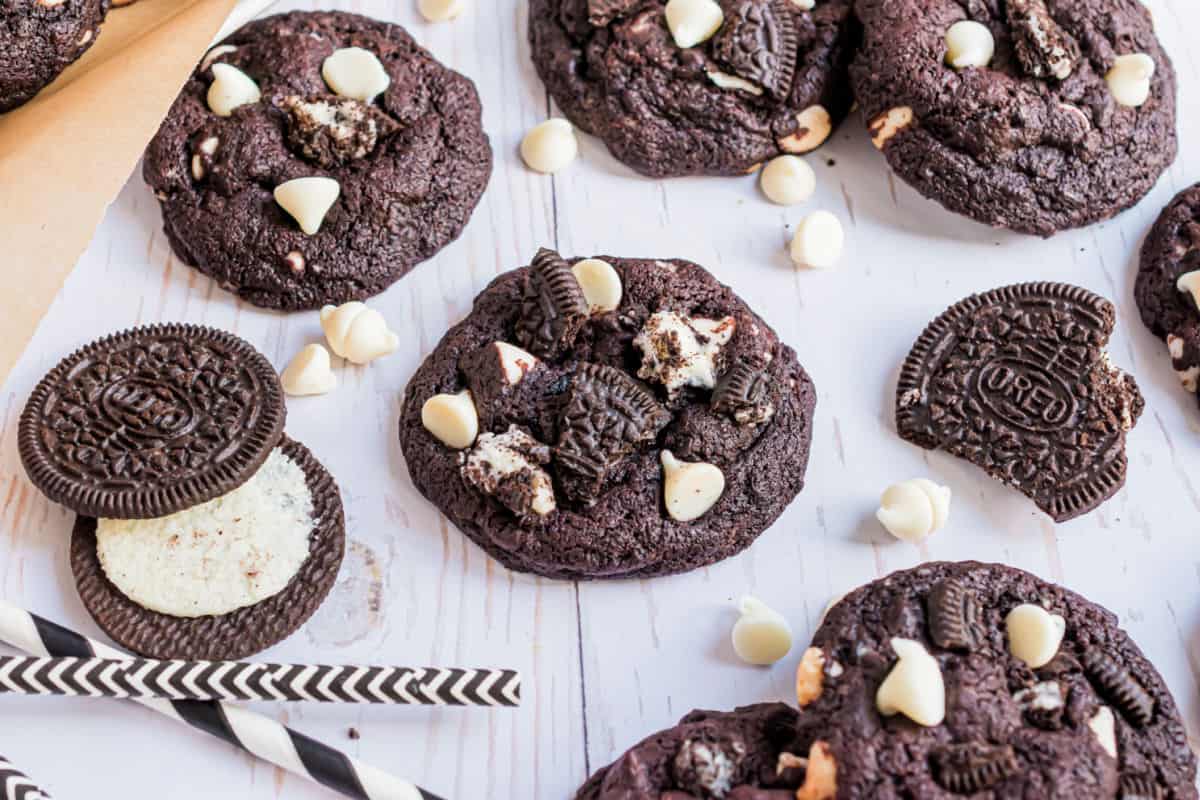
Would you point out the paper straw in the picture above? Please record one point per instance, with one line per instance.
(15, 786)
(233, 680)
(258, 735)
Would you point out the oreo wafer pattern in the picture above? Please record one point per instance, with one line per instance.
(212, 680)
(1017, 382)
(245, 730)
(15, 785)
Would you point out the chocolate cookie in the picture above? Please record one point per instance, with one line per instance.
(1017, 382)
(709, 754)
(1082, 715)
(771, 80)
(227, 636)
(609, 418)
(1165, 297)
(1034, 138)
(151, 421)
(38, 40)
(390, 139)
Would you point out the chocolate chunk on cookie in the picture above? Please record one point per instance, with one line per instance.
(316, 158)
(770, 79)
(223, 580)
(151, 421)
(1168, 283)
(1017, 382)
(608, 418)
(1061, 116)
(746, 754)
(1089, 719)
(39, 39)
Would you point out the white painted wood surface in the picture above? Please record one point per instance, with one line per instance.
(607, 663)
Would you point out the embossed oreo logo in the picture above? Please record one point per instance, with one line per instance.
(148, 409)
(1026, 395)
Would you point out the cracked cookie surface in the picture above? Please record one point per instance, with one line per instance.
(539, 364)
(772, 80)
(1013, 144)
(39, 40)
(411, 164)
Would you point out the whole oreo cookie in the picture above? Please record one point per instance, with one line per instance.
(709, 754)
(1017, 382)
(151, 421)
(1090, 719)
(771, 80)
(1168, 283)
(1033, 139)
(228, 636)
(401, 172)
(609, 418)
(38, 40)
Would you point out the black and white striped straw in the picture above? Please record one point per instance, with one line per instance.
(258, 735)
(14, 785)
(141, 678)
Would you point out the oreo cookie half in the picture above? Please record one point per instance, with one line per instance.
(148, 422)
(1017, 382)
(214, 637)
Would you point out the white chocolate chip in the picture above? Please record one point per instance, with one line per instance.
(820, 779)
(209, 145)
(1104, 726)
(693, 21)
(515, 363)
(197, 167)
(914, 687)
(732, 82)
(355, 73)
(86, 37)
(1034, 634)
(813, 127)
(761, 635)
(1175, 346)
(913, 509)
(440, 10)
(1189, 284)
(1189, 378)
(888, 124)
(810, 676)
(295, 262)
(550, 146)
(357, 333)
(230, 89)
(452, 419)
(1129, 79)
(309, 373)
(600, 283)
(969, 44)
(690, 489)
(215, 53)
(788, 180)
(308, 200)
(804, 5)
(818, 241)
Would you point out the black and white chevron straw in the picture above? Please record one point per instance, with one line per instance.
(238, 680)
(14, 785)
(254, 733)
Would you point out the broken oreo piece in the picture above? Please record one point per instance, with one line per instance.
(743, 392)
(553, 309)
(973, 767)
(1017, 382)
(606, 417)
(602, 12)
(954, 616)
(1044, 49)
(1116, 684)
(758, 43)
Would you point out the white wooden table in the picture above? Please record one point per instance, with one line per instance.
(607, 663)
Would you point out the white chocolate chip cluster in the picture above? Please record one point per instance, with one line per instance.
(354, 332)
(912, 510)
(680, 351)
